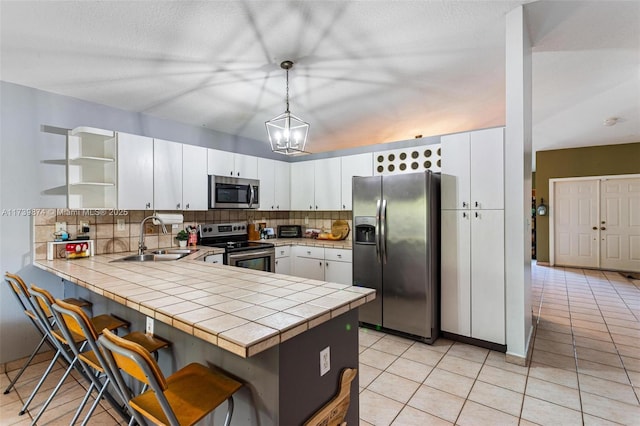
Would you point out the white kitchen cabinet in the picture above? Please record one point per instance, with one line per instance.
(267, 177)
(135, 172)
(302, 186)
(473, 170)
(487, 169)
(282, 186)
(472, 237)
(487, 276)
(472, 283)
(327, 184)
(456, 172)
(338, 266)
(194, 178)
(283, 260)
(167, 175)
(91, 168)
(274, 184)
(455, 294)
(224, 163)
(353, 165)
(308, 262)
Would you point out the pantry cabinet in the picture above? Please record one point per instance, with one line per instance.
(135, 172)
(472, 239)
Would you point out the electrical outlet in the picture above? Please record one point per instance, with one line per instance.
(306, 220)
(61, 226)
(174, 226)
(121, 225)
(325, 361)
(84, 227)
(149, 328)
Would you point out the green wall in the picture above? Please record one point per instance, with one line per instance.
(601, 160)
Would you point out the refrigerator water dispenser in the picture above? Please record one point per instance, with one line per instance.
(365, 229)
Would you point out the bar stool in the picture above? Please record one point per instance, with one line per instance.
(74, 321)
(334, 411)
(21, 293)
(181, 399)
(42, 303)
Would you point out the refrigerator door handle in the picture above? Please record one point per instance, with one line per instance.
(378, 252)
(383, 228)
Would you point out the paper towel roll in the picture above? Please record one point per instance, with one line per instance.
(169, 218)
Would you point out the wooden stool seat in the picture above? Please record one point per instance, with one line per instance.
(192, 392)
(334, 411)
(182, 399)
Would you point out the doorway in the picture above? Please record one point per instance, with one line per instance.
(595, 222)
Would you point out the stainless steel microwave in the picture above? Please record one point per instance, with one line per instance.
(233, 193)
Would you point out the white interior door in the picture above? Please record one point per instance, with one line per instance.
(576, 223)
(620, 224)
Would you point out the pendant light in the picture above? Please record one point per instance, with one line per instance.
(287, 133)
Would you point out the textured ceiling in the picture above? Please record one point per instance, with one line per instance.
(365, 72)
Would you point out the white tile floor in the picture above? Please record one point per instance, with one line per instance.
(585, 367)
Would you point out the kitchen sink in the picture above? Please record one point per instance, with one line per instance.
(175, 251)
(151, 257)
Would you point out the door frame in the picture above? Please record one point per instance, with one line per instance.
(551, 211)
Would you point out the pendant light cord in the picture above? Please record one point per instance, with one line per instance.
(287, 70)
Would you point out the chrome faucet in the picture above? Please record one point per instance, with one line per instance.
(141, 246)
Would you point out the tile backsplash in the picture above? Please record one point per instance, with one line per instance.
(111, 237)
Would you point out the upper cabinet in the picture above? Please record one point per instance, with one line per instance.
(223, 163)
(135, 172)
(282, 187)
(473, 170)
(327, 184)
(274, 184)
(91, 168)
(351, 166)
(167, 175)
(302, 185)
(195, 182)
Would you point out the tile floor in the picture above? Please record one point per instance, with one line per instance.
(585, 367)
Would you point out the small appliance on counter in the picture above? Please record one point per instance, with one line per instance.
(289, 231)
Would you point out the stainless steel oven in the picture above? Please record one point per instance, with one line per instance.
(238, 251)
(261, 260)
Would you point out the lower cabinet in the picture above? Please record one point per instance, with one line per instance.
(338, 266)
(472, 283)
(283, 260)
(323, 264)
(308, 262)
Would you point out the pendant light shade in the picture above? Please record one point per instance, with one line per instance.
(287, 133)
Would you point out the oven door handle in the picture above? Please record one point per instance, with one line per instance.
(251, 254)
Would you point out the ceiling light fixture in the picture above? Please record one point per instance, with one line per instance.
(287, 133)
(611, 121)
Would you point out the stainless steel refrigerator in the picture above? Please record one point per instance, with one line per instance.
(396, 248)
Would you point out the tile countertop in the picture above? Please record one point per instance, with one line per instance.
(341, 244)
(240, 310)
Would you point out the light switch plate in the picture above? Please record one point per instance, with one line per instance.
(325, 361)
(121, 225)
(61, 227)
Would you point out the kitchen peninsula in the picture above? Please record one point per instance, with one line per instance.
(266, 329)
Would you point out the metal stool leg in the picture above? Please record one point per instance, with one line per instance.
(26, 364)
(227, 419)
